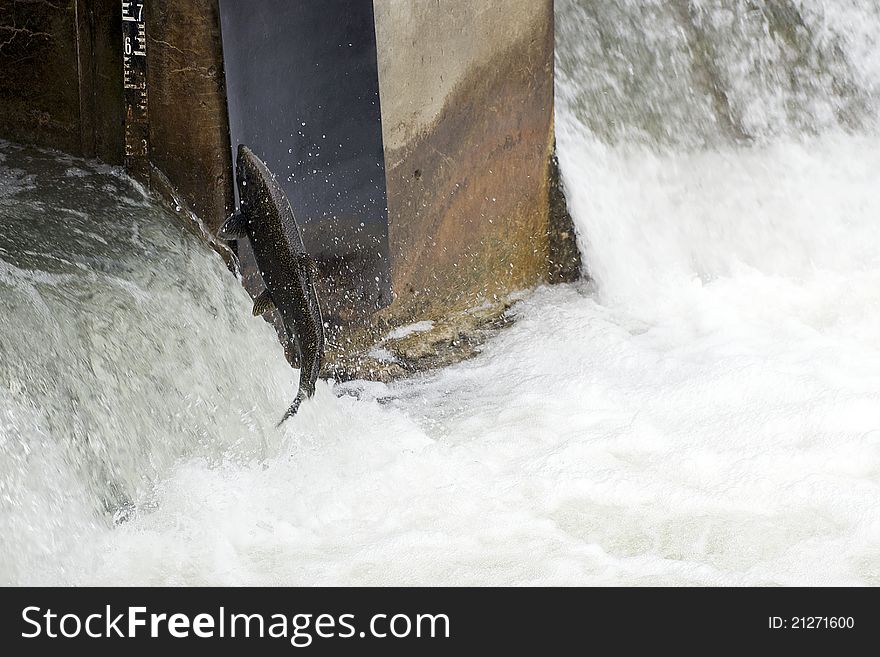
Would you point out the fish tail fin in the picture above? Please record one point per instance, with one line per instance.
(294, 407)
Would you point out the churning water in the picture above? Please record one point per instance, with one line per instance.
(706, 411)
(124, 345)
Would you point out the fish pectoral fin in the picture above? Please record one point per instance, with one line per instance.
(263, 303)
(233, 228)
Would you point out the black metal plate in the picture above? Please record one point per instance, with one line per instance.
(303, 94)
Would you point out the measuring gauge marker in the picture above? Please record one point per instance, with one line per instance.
(134, 62)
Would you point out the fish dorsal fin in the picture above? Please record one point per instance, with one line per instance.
(263, 303)
(233, 228)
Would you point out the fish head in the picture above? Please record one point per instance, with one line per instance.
(263, 202)
(253, 180)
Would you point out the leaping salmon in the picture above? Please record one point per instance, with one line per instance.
(267, 220)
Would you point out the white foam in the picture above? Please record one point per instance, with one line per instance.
(581, 447)
(410, 329)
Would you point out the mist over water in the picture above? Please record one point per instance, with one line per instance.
(705, 411)
(699, 139)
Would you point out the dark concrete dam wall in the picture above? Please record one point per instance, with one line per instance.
(474, 211)
(189, 128)
(61, 76)
(61, 86)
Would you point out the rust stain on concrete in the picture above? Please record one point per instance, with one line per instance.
(468, 198)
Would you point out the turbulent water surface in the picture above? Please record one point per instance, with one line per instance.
(705, 411)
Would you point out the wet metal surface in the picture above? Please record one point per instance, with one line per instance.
(303, 94)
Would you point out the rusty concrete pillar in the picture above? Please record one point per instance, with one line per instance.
(467, 115)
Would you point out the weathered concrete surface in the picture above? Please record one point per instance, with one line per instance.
(467, 106)
(427, 48)
(60, 86)
(189, 128)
